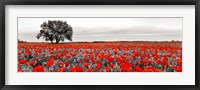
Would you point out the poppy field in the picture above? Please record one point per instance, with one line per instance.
(100, 57)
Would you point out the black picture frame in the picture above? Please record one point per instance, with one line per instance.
(99, 2)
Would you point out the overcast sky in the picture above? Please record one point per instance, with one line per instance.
(108, 29)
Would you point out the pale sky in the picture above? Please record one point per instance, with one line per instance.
(108, 29)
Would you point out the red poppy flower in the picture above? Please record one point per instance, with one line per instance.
(73, 54)
(93, 61)
(66, 64)
(67, 56)
(150, 69)
(111, 65)
(86, 65)
(73, 70)
(99, 70)
(98, 65)
(138, 69)
(115, 52)
(20, 70)
(31, 63)
(22, 61)
(86, 59)
(61, 70)
(36, 59)
(178, 68)
(158, 61)
(130, 64)
(125, 67)
(144, 61)
(29, 53)
(89, 70)
(108, 69)
(50, 63)
(38, 69)
(80, 69)
(149, 62)
(110, 59)
(179, 62)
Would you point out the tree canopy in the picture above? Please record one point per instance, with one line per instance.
(55, 30)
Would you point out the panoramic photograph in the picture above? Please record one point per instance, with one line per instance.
(105, 44)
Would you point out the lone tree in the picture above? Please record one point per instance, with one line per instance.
(55, 30)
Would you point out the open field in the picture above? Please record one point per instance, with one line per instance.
(100, 57)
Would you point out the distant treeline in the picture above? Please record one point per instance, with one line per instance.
(135, 41)
(21, 41)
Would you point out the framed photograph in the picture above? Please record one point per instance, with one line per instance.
(100, 44)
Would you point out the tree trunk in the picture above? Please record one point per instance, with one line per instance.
(51, 41)
(57, 41)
